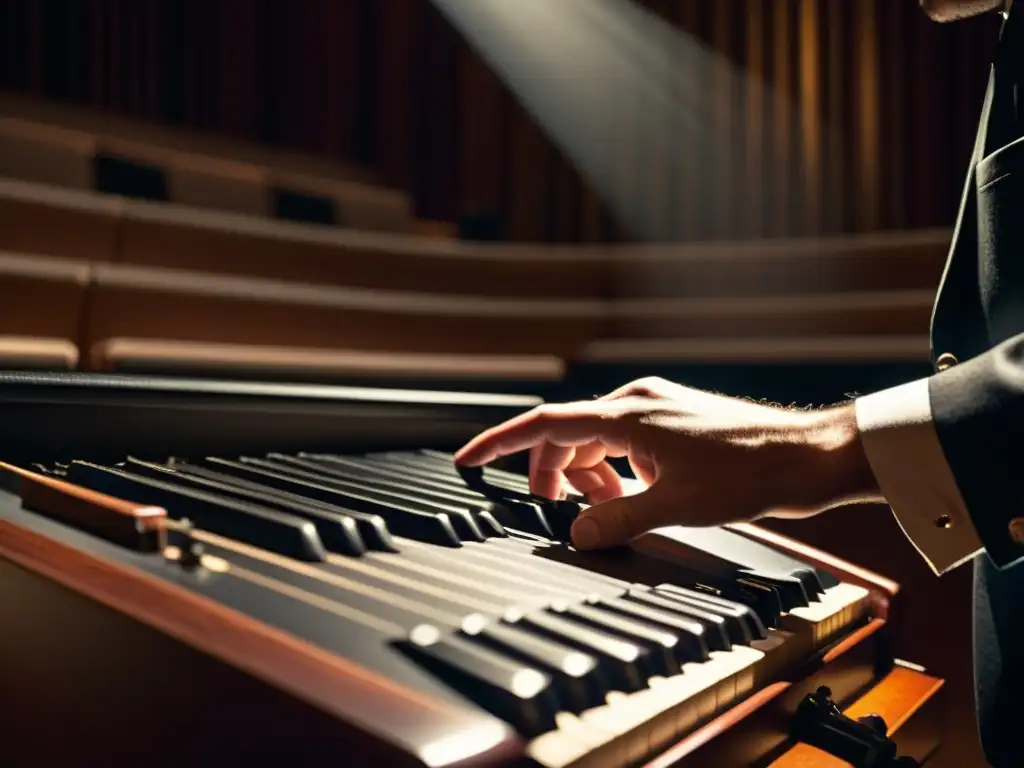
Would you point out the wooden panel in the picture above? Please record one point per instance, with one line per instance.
(891, 261)
(869, 102)
(190, 239)
(147, 302)
(46, 154)
(56, 222)
(893, 313)
(40, 296)
(37, 353)
(263, 362)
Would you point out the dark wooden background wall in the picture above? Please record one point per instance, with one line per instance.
(390, 84)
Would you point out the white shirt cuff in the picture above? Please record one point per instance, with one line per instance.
(905, 454)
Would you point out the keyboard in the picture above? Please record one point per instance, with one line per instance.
(224, 571)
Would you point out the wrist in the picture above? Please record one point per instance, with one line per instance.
(838, 464)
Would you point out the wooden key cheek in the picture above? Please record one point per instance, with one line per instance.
(138, 526)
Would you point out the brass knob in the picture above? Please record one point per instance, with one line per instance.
(946, 361)
(1017, 529)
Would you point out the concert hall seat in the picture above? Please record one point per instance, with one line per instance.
(203, 181)
(41, 303)
(190, 238)
(46, 154)
(30, 353)
(49, 220)
(355, 206)
(182, 305)
(196, 169)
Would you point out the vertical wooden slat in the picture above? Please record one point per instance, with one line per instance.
(811, 116)
(481, 134)
(781, 131)
(868, 101)
(866, 120)
(390, 137)
(754, 122)
(693, 211)
(723, 181)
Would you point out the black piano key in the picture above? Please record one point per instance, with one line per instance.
(628, 567)
(716, 626)
(697, 637)
(762, 598)
(445, 462)
(524, 516)
(459, 510)
(460, 518)
(440, 471)
(489, 524)
(791, 591)
(754, 556)
(338, 533)
(620, 659)
(521, 695)
(278, 532)
(401, 520)
(372, 528)
(661, 655)
(480, 506)
(743, 623)
(360, 467)
(577, 675)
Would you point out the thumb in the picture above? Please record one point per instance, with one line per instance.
(619, 520)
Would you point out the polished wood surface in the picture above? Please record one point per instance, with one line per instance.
(328, 682)
(335, 686)
(41, 296)
(138, 526)
(213, 359)
(38, 353)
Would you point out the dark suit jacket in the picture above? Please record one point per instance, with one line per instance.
(978, 404)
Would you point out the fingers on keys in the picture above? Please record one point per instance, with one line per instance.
(569, 426)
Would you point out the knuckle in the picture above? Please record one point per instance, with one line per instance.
(650, 385)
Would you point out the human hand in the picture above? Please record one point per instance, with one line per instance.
(706, 459)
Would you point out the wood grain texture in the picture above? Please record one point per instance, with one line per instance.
(328, 682)
(137, 526)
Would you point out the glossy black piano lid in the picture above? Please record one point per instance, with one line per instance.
(104, 417)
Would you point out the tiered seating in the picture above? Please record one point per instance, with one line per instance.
(188, 289)
(185, 238)
(84, 149)
(42, 303)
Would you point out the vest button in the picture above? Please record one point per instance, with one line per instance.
(1017, 530)
(946, 361)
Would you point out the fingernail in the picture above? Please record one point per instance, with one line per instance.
(586, 533)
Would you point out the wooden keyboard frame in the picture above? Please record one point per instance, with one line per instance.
(858, 667)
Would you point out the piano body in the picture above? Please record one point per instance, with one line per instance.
(202, 572)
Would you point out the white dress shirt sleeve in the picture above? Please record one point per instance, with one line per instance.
(905, 454)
